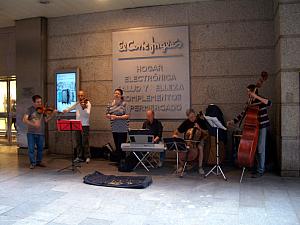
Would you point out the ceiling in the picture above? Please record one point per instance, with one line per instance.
(11, 10)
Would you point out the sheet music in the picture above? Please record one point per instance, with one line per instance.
(214, 122)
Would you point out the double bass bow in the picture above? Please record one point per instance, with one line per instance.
(249, 138)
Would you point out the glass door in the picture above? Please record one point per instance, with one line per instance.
(7, 110)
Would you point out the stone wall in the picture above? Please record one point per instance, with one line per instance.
(31, 67)
(231, 42)
(287, 45)
(7, 51)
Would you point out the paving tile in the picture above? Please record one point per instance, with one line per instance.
(7, 220)
(44, 215)
(129, 219)
(5, 208)
(24, 210)
(91, 221)
(256, 215)
(29, 221)
(43, 196)
(278, 220)
(52, 223)
(73, 215)
(215, 218)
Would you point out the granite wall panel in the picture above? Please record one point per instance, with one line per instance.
(7, 51)
(289, 19)
(290, 157)
(232, 35)
(220, 11)
(231, 42)
(121, 19)
(232, 63)
(290, 53)
(79, 45)
(287, 62)
(91, 68)
(290, 87)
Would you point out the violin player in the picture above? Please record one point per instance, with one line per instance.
(35, 119)
(264, 123)
(192, 121)
(83, 110)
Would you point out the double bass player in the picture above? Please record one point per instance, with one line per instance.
(264, 122)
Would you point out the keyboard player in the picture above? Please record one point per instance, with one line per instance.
(156, 129)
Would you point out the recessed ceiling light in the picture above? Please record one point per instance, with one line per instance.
(45, 2)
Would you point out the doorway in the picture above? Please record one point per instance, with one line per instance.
(8, 104)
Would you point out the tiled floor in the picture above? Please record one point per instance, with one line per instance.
(44, 196)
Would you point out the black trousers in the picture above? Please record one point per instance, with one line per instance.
(82, 143)
(120, 138)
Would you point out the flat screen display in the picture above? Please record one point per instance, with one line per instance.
(66, 89)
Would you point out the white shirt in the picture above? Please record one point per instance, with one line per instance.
(82, 114)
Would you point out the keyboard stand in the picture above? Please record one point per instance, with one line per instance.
(141, 160)
(143, 153)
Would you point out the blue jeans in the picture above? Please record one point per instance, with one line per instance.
(261, 150)
(38, 141)
(162, 156)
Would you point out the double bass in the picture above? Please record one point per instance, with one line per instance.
(249, 138)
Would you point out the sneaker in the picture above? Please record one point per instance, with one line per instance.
(77, 160)
(40, 165)
(87, 160)
(257, 175)
(109, 147)
(159, 164)
(180, 169)
(31, 166)
(201, 171)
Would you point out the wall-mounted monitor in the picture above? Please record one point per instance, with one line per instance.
(67, 87)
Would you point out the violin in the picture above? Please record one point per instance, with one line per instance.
(83, 102)
(46, 111)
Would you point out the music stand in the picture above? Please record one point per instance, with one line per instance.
(176, 144)
(69, 125)
(214, 122)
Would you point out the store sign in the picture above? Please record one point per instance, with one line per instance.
(152, 67)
